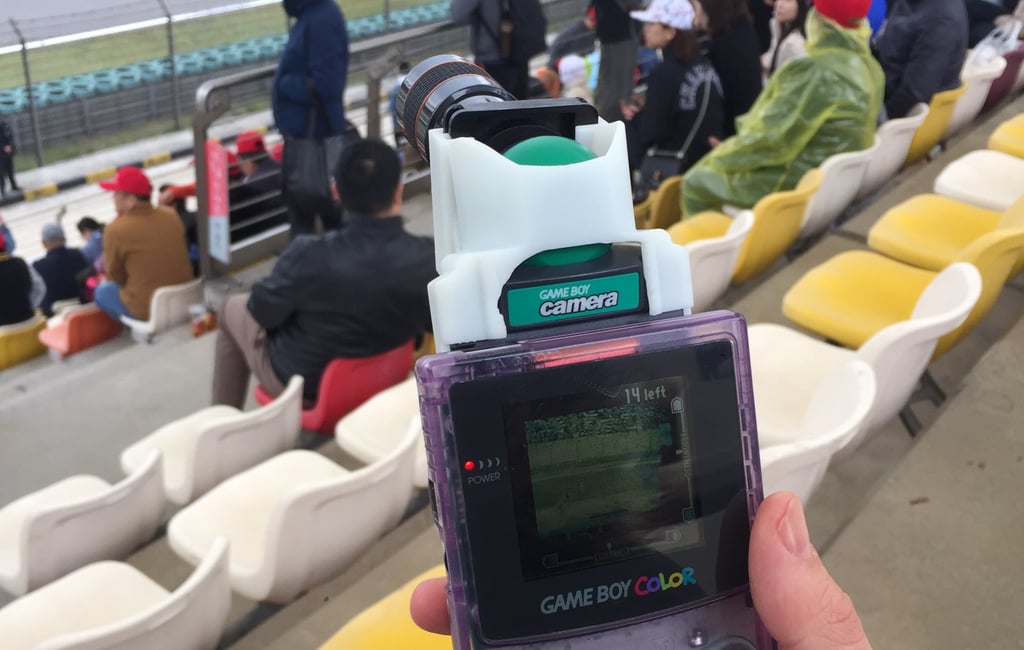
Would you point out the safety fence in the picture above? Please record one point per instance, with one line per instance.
(59, 83)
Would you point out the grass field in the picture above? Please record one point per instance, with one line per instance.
(130, 47)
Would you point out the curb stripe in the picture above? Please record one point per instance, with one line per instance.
(39, 192)
(158, 159)
(100, 175)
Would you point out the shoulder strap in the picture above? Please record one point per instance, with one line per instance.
(681, 153)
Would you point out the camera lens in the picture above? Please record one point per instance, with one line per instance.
(436, 85)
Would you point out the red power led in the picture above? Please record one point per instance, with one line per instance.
(469, 465)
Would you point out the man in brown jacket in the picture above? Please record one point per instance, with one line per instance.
(143, 248)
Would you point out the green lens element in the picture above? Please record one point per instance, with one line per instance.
(549, 151)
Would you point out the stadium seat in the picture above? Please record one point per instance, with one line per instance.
(642, 212)
(987, 179)
(929, 134)
(1003, 84)
(78, 330)
(714, 243)
(113, 606)
(777, 219)
(895, 136)
(841, 178)
(201, 450)
(795, 459)
(665, 209)
(297, 519)
(930, 231)
(168, 308)
(977, 80)
(20, 342)
(76, 521)
(378, 425)
(851, 297)
(898, 354)
(387, 624)
(1009, 137)
(347, 383)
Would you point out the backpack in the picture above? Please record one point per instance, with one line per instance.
(521, 30)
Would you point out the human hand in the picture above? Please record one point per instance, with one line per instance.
(797, 600)
(714, 142)
(8, 149)
(629, 110)
(166, 197)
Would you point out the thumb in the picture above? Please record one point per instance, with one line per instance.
(796, 598)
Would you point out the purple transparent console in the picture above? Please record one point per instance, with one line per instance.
(725, 621)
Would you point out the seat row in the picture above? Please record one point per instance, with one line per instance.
(265, 519)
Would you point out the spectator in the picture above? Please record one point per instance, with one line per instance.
(143, 248)
(618, 40)
(20, 287)
(174, 197)
(92, 234)
(788, 36)
(352, 293)
(574, 77)
(6, 237)
(683, 107)
(507, 60)
(256, 201)
(761, 14)
(819, 105)
(921, 48)
(735, 52)
(308, 95)
(984, 15)
(59, 269)
(575, 38)
(7, 151)
(877, 14)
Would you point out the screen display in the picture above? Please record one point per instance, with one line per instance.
(602, 476)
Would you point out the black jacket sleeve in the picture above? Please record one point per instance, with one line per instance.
(923, 73)
(654, 120)
(276, 297)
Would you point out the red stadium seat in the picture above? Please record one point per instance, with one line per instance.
(347, 383)
(81, 330)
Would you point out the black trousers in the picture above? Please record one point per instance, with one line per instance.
(303, 215)
(513, 77)
(7, 172)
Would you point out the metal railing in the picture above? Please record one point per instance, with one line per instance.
(376, 57)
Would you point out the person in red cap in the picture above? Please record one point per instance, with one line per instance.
(921, 48)
(813, 107)
(257, 201)
(143, 248)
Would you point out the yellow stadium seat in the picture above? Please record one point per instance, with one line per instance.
(706, 225)
(20, 342)
(1009, 137)
(642, 212)
(665, 209)
(387, 625)
(930, 133)
(855, 294)
(777, 221)
(930, 231)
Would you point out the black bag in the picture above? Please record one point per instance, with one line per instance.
(308, 163)
(521, 30)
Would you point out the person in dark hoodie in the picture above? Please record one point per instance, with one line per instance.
(309, 87)
(921, 48)
(735, 51)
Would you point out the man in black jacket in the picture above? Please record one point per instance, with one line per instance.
(921, 48)
(353, 293)
(6, 157)
(60, 268)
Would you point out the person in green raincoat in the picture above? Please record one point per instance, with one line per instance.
(813, 107)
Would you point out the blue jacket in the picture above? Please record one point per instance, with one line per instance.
(316, 57)
(921, 48)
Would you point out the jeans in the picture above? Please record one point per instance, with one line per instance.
(108, 298)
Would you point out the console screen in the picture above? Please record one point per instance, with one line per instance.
(602, 476)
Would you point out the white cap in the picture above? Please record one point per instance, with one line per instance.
(674, 13)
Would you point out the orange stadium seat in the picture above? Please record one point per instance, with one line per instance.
(81, 330)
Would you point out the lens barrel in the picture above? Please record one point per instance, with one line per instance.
(433, 88)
